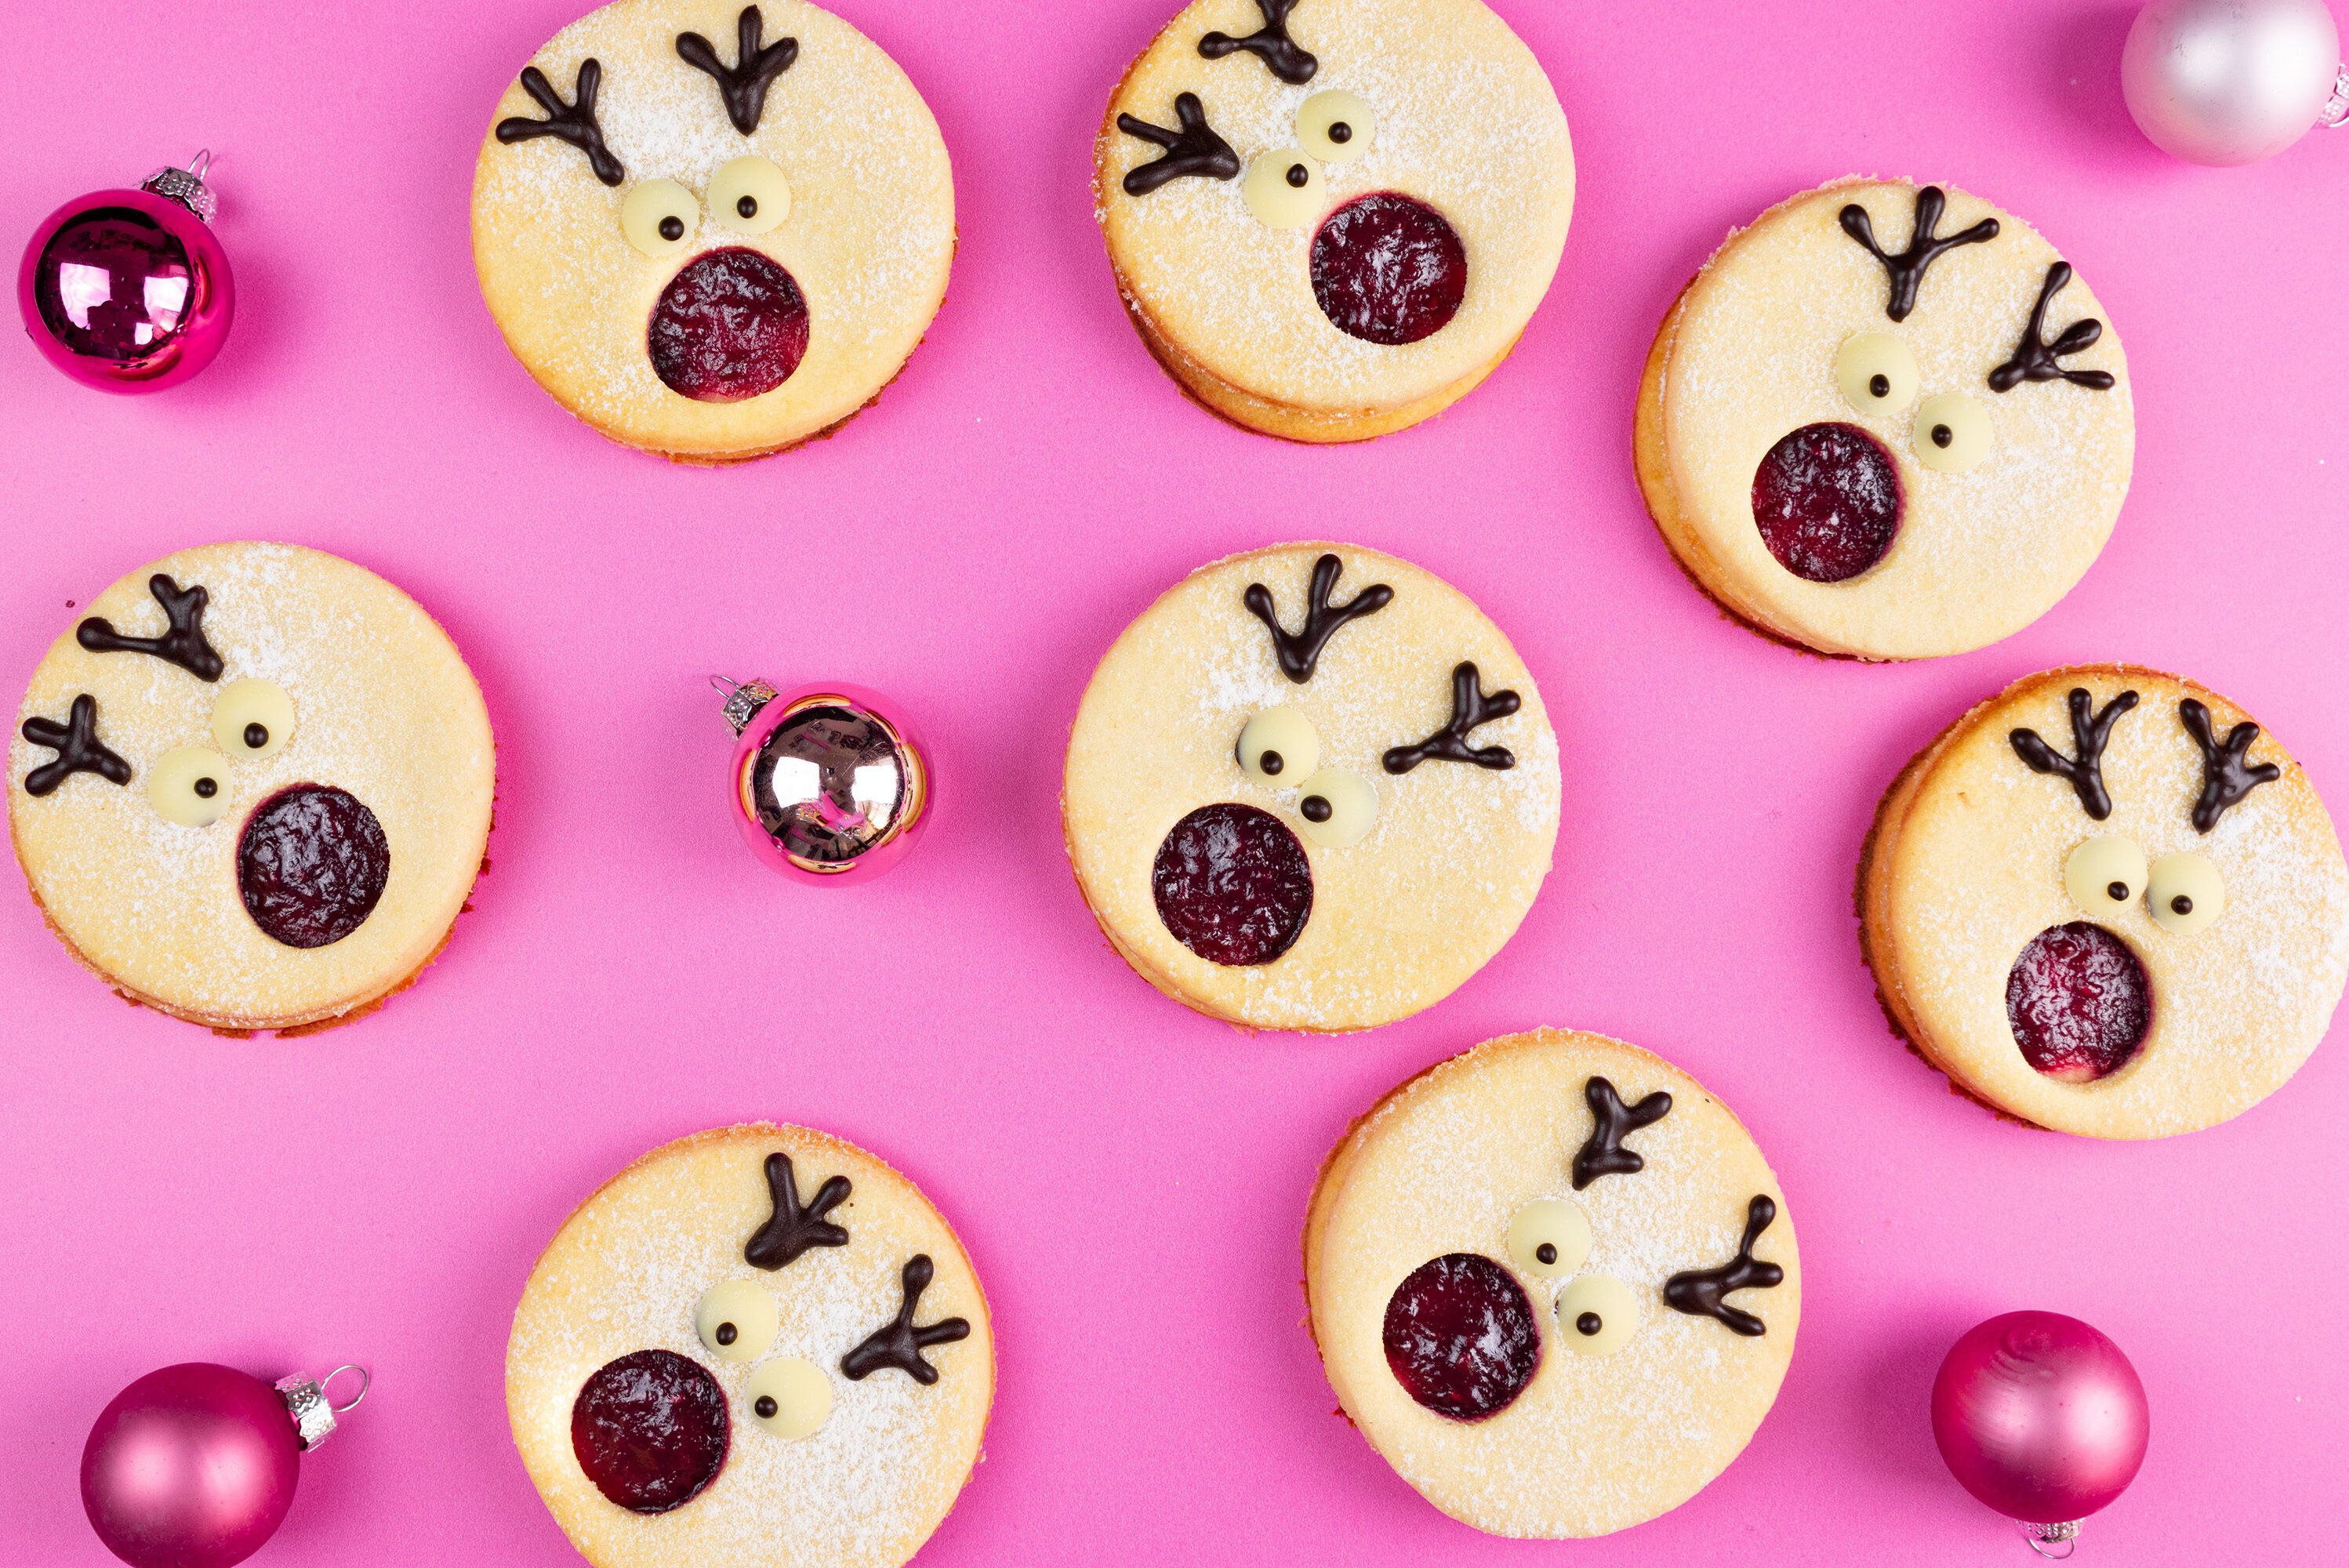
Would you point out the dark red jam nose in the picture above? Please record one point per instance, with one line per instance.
(114, 283)
(1387, 269)
(1460, 1336)
(2079, 1002)
(650, 1430)
(311, 863)
(1827, 501)
(1233, 885)
(731, 325)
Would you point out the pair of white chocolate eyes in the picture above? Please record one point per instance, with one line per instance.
(789, 1395)
(1278, 748)
(1595, 1314)
(1879, 376)
(749, 195)
(1285, 188)
(2183, 893)
(251, 720)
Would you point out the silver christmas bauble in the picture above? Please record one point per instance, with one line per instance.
(2224, 82)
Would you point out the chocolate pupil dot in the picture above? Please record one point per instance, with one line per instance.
(1340, 132)
(1271, 763)
(1943, 434)
(2117, 891)
(672, 228)
(748, 206)
(1298, 174)
(256, 736)
(1546, 1253)
(1881, 385)
(1588, 1324)
(766, 1407)
(1315, 809)
(725, 1334)
(2182, 904)
(206, 789)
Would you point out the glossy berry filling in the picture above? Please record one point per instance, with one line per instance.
(1827, 501)
(1387, 269)
(730, 325)
(2079, 1002)
(311, 863)
(1233, 885)
(650, 1430)
(1460, 1336)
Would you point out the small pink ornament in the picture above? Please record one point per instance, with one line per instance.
(2041, 1419)
(129, 291)
(194, 1466)
(826, 784)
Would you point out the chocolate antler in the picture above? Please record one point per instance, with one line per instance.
(77, 747)
(1470, 707)
(898, 1343)
(794, 1230)
(743, 84)
(571, 122)
(1298, 652)
(2225, 779)
(1906, 269)
(2035, 359)
(184, 644)
(1698, 1292)
(1194, 150)
(2089, 733)
(1270, 44)
(1602, 1153)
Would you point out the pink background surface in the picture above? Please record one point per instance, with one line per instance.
(1130, 1178)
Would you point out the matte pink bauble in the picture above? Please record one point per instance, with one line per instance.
(2040, 1417)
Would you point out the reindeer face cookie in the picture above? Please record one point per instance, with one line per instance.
(252, 786)
(756, 1348)
(1553, 1282)
(1311, 787)
(2105, 902)
(1331, 219)
(712, 231)
(1886, 453)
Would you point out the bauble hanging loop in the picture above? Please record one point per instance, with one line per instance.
(2227, 82)
(129, 291)
(827, 783)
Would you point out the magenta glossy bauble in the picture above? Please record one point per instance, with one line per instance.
(828, 783)
(2040, 1417)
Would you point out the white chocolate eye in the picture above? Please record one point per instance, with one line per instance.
(1338, 808)
(1596, 1315)
(750, 195)
(1548, 1237)
(659, 216)
(189, 786)
(1336, 127)
(736, 1320)
(2183, 893)
(2105, 874)
(1278, 747)
(1285, 189)
(789, 1397)
(251, 720)
(1952, 433)
(1876, 372)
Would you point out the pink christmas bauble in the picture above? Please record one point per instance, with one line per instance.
(128, 291)
(191, 1466)
(828, 784)
(2040, 1417)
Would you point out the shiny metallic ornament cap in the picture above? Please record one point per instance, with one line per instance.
(743, 701)
(2336, 112)
(314, 1413)
(186, 186)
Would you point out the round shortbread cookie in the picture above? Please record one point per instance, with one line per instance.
(1877, 486)
(2005, 955)
(1593, 1316)
(722, 336)
(1395, 846)
(1433, 228)
(272, 886)
(719, 1331)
